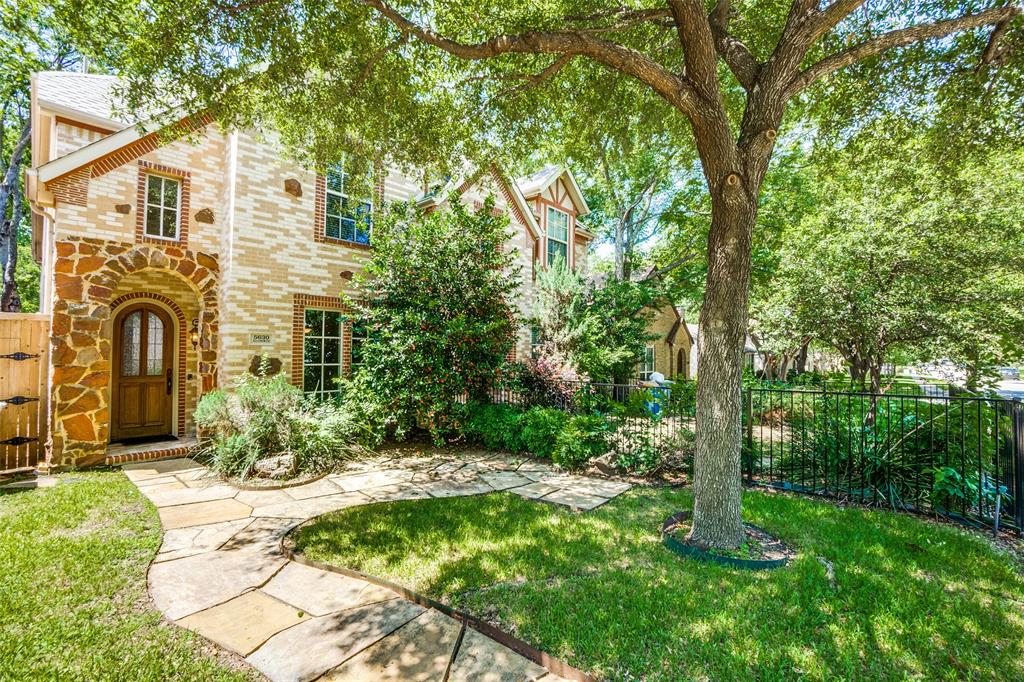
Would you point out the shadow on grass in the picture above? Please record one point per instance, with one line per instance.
(909, 598)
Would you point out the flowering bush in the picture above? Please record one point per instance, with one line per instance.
(437, 302)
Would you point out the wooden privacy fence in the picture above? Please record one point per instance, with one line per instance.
(24, 359)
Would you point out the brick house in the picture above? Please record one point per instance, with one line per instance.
(172, 258)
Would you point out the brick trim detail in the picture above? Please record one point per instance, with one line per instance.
(145, 170)
(72, 188)
(149, 455)
(300, 302)
(149, 143)
(182, 337)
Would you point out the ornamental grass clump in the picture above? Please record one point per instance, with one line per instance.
(266, 417)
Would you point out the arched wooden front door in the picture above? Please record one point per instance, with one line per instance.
(682, 365)
(143, 386)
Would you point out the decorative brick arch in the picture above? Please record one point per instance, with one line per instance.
(181, 350)
(86, 274)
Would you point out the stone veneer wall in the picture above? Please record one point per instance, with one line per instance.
(87, 274)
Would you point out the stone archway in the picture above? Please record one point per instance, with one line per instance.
(86, 273)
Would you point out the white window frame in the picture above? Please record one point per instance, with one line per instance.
(343, 199)
(322, 391)
(647, 366)
(146, 205)
(568, 234)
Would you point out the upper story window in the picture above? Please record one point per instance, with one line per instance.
(163, 206)
(646, 366)
(346, 217)
(558, 235)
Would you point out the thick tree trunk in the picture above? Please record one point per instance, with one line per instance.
(717, 520)
(620, 250)
(801, 358)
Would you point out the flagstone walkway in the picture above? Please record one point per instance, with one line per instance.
(221, 571)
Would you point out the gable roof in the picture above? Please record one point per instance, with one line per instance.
(537, 183)
(463, 183)
(89, 98)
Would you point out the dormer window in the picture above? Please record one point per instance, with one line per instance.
(345, 217)
(162, 208)
(558, 236)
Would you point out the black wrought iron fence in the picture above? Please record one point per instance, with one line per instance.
(959, 456)
(645, 425)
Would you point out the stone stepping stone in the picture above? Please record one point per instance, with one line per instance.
(310, 649)
(184, 586)
(141, 471)
(609, 489)
(481, 659)
(315, 506)
(419, 651)
(263, 498)
(323, 592)
(245, 622)
(373, 479)
(503, 480)
(261, 535)
(456, 488)
(203, 513)
(394, 493)
(148, 483)
(183, 542)
(185, 495)
(575, 500)
(314, 489)
(534, 491)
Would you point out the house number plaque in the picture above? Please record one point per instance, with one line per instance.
(259, 339)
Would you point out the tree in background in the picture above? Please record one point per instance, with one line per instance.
(420, 79)
(29, 41)
(627, 150)
(897, 255)
(437, 301)
(597, 329)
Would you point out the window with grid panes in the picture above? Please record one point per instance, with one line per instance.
(322, 352)
(345, 217)
(558, 236)
(163, 198)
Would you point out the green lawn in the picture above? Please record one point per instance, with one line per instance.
(910, 600)
(73, 601)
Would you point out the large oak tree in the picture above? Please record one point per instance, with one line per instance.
(419, 79)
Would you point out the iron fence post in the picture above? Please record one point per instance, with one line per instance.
(1018, 463)
(748, 406)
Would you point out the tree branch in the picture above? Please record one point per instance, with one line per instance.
(898, 38)
(734, 53)
(625, 60)
(532, 80)
(993, 50)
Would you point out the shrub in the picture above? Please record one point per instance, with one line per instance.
(580, 440)
(437, 297)
(267, 416)
(540, 429)
(640, 453)
(496, 427)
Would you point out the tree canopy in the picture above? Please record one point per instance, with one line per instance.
(422, 79)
